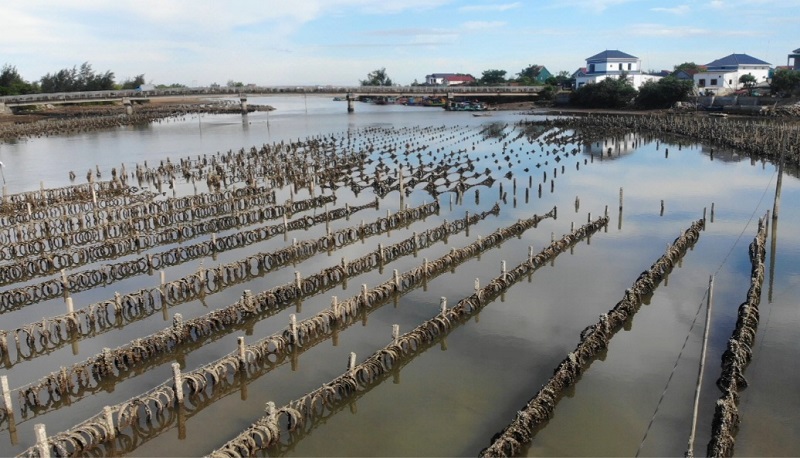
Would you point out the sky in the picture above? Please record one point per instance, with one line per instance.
(339, 42)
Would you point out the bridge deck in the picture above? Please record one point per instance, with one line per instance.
(395, 91)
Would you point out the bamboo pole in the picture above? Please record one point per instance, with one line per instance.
(709, 302)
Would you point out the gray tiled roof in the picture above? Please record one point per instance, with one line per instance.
(611, 54)
(734, 60)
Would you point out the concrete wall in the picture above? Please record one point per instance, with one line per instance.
(734, 100)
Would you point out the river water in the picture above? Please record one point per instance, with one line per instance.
(451, 399)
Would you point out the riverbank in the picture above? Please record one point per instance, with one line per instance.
(47, 120)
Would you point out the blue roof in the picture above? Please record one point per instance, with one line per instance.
(734, 60)
(611, 54)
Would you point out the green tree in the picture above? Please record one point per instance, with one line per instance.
(609, 93)
(528, 75)
(747, 80)
(562, 79)
(492, 77)
(786, 82)
(547, 93)
(137, 81)
(171, 86)
(74, 79)
(689, 67)
(663, 93)
(11, 83)
(377, 77)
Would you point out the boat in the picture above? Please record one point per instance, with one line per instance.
(467, 106)
(434, 102)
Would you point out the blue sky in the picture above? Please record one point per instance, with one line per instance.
(309, 42)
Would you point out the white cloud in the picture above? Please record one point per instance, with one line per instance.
(487, 8)
(659, 30)
(596, 6)
(680, 9)
(482, 25)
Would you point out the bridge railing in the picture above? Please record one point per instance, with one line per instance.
(255, 90)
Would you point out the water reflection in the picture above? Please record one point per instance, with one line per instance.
(492, 366)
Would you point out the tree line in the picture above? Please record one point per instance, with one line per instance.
(75, 79)
(611, 92)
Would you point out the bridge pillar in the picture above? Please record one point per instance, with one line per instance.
(2, 107)
(243, 102)
(350, 107)
(128, 106)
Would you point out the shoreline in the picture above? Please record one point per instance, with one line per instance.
(58, 119)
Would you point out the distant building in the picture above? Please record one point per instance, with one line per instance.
(793, 60)
(578, 73)
(722, 75)
(540, 73)
(613, 64)
(687, 74)
(448, 79)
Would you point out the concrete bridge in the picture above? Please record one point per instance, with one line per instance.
(351, 92)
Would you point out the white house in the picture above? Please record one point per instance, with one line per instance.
(448, 79)
(722, 75)
(612, 64)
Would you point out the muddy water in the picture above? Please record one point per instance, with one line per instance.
(452, 398)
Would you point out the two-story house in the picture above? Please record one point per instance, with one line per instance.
(613, 64)
(722, 75)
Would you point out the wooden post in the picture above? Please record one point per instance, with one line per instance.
(178, 382)
(776, 205)
(108, 417)
(690, 447)
(443, 305)
(335, 307)
(397, 283)
(242, 354)
(395, 333)
(351, 363)
(41, 440)
(6, 395)
(293, 327)
(477, 284)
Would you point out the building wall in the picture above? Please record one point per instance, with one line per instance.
(636, 79)
(613, 66)
(793, 61)
(722, 82)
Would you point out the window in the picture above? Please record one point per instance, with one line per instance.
(629, 66)
(591, 68)
(702, 82)
(713, 82)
